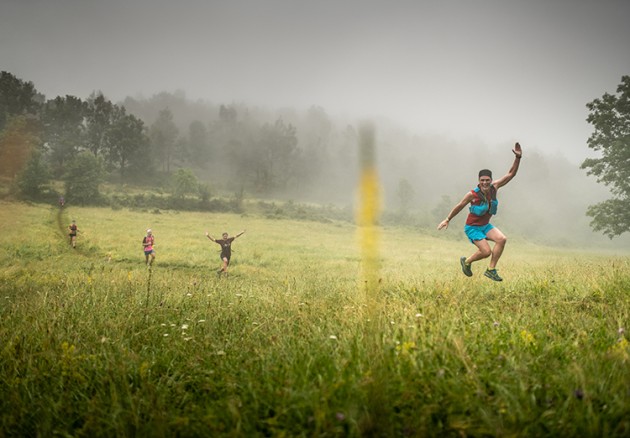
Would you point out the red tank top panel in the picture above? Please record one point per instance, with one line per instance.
(473, 219)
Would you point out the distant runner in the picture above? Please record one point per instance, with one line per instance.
(147, 243)
(483, 204)
(62, 201)
(226, 249)
(73, 233)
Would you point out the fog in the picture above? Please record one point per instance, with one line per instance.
(493, 70)
(451, 85)
(545, 203)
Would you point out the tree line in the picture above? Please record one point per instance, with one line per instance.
(83, 142)
(197, 148)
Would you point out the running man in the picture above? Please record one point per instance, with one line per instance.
(73, 233)
(147, 243)
(483, 204)
(226, 249)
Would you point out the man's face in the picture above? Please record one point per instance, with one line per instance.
(225, 235)
(485, 181)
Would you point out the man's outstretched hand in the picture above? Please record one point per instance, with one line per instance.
(517, 150)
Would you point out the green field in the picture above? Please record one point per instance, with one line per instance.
(293, 342)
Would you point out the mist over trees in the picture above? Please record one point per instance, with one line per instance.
(169, 143)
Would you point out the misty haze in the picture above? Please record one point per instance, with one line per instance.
(314, 218)
(450, 88)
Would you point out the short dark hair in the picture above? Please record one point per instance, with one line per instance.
(485, 172)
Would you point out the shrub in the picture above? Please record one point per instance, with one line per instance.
(35, 177)
(82, 179)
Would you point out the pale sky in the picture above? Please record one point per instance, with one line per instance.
(491, 70)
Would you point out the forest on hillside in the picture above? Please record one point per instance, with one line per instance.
(185, 147)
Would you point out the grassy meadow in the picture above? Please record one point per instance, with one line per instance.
(293, 342)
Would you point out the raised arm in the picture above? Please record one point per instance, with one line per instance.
(465, 200)
(210, 237)
(240, 234)
(518, 153)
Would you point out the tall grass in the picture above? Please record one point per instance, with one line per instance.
(279, 348)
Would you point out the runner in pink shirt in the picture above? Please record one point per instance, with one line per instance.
(147, 244)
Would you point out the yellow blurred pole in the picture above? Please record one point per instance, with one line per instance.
(369, 207)
(367, 217)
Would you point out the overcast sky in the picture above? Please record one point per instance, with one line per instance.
(492, 70)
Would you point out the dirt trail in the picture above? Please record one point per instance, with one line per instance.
(62, 229)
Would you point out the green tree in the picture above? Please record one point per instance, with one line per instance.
(163, 134)
(83, 176)
(98, 116)
(198, 144)
(35, 177)
(184, 182)
(610, 117)
(204, 193)
(17, 98)
(63, 128)
(124, 139)
(233, 139)
(275, 156)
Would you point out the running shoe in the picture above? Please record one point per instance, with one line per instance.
(492, 274)
(465, 267)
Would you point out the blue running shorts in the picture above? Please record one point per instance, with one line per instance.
(477, 232)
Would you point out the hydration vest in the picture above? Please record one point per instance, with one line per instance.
(483, 207)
